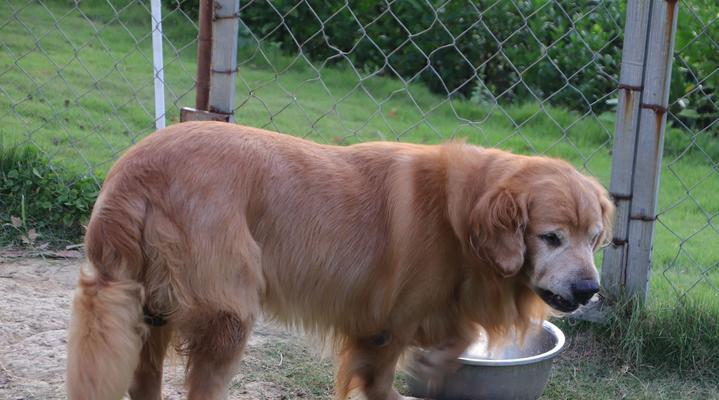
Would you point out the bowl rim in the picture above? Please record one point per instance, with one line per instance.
(558, 347)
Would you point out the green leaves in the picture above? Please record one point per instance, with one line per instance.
(47, 199)
(521, 50)
(695, 82)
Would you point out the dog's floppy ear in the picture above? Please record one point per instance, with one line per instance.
(497, 229)
(608, 209)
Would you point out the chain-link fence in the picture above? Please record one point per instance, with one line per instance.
(533, 76)
(688, 214)
(429, 71)
(76, 77)
(76, 90)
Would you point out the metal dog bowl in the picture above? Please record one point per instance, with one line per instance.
(514, 372)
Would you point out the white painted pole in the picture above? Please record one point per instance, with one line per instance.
(158, 63)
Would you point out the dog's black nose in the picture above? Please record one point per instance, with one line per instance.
(584, 290)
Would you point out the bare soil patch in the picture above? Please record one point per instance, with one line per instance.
(35, 297)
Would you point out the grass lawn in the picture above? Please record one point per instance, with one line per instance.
(584, 371)
(77, 84)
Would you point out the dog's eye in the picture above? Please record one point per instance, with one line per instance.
(551, 239)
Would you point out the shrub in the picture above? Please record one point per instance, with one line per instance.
(566, 53)
(524, 50)
(49, 200)
(695, 77)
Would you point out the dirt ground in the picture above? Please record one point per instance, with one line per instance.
(35, 296)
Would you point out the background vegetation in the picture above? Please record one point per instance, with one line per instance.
(76, 90)
(487, 47)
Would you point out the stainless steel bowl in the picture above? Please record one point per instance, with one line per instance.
(515, 372)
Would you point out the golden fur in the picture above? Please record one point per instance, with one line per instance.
(379, 245)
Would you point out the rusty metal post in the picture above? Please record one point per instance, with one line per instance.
(225, 26)
(204, 56)
(636, 164)
(216, 62)
(650, 146)
(625, 137)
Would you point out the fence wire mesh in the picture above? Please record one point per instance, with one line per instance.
(688, 214)
(76, 77)
(533, 76)
(429, 71)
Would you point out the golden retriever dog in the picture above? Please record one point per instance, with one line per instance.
(203, 226)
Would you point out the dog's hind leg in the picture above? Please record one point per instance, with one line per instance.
(222, 295)
(147, 380)
(214, 344)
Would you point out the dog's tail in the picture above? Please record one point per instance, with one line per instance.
(107, 332)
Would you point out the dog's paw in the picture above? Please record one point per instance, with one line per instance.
(394, 395)
(356, 394)
(433, 364)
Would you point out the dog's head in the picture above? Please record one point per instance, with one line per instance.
(545, 221)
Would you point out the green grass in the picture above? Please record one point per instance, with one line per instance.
(641, 353)
(291, 366)
(591, 367)
(587, 371)
(76, 83)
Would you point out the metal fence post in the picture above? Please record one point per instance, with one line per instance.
(650, 145)
(204, 55)
(225, 25)
(626, 125)
(639, 142)
(217, 62)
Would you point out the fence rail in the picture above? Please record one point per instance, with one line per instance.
(533, 76)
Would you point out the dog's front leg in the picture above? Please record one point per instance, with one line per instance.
(437, 361)
(357, 394)
(367, 366)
